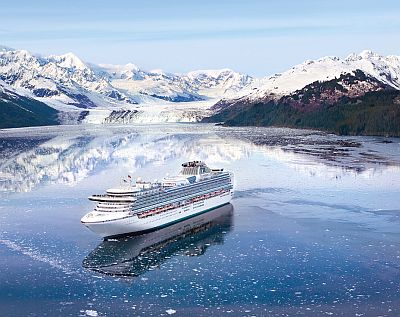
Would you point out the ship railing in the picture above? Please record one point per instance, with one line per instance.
(108, 198)
(204, 182)
(199, 185)
(114, 206)
(171, 205)
(101, 209)
(148, 192)
(177, 194)
(179, 199)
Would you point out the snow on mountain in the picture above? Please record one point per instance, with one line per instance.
(67, 83)
(64, 82)
(193, 86)
(18, 110)
(385, 69)
(155, 84)
(217, 83)
(68, 60)
(128, 71)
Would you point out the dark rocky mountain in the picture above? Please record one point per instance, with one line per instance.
(352, 104)
(21, 111)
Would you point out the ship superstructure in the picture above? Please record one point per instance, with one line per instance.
(145, 206)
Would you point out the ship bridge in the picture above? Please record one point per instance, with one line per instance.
(195, 168)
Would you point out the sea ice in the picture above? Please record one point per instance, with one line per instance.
(92, 313)
(170, 311)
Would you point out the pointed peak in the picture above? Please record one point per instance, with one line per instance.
(69, 55)
(365, 54)
(68, 60)
(131, 66)
(157, 71)
(21, 54)
(214, 73)
(353, 57)
(368, 54)
(329, 59)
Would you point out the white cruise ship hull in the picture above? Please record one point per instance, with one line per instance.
(133, 224)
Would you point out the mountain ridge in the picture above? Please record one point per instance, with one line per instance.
(386, 69)
(105, 92)
(356, 103)
(66, 80)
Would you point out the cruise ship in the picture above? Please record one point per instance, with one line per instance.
(146, 206)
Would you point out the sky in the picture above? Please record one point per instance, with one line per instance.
(256, 37)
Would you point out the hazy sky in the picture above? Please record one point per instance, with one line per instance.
(255, 37)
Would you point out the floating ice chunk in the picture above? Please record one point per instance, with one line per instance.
(92, 313)
(170, 311)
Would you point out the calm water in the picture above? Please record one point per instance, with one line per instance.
(314, 228)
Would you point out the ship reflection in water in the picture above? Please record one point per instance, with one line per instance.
(134, 256)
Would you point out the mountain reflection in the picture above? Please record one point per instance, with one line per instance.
(29, 160)
(134, 256)
(65, 159)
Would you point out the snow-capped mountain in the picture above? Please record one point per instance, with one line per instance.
(354, 103)
(385, 69)
(111, 93)
(67, 83)
(193, 86)
(351, 85)
(64, 82)
(216, 83)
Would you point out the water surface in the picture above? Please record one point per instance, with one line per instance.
(313, 229)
